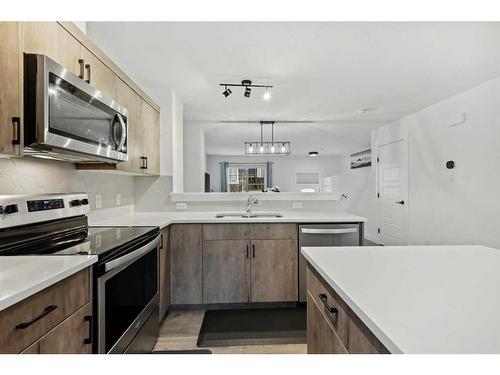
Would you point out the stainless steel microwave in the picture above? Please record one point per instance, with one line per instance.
(66, 118)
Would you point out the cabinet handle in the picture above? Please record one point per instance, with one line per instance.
(16, 125)
(82, 69)
(88, 340)
(143, 164)
(46, 311)
(87, 66)
(324, 299)
(146, 162)
(247, 252)
(161, 241)
(253, 251)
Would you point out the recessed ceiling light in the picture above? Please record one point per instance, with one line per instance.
(313, 153)
(364, 110)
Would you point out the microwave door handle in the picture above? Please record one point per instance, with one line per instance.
(123, 137)
(329, 230)
(127, 258)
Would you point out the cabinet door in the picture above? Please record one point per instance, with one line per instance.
(274, 271)
(150, 124)
(186, 264)
(10, 89)
(226, 271)
(72, 336)
(164, 274)
(321, 338)
(126, 97)
(52, 40)
(101, 77)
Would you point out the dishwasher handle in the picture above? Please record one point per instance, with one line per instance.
(329, 230)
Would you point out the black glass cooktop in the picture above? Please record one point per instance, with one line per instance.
(71, 237)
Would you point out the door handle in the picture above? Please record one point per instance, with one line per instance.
(82, 69)
(88, 340)
(400, 202)
(87, 66)
(46, 311)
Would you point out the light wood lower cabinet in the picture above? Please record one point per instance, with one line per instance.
(10, 88)
(321, 337)
(186, 264)
(226, 271)
(274, 271)
(164, 273)
(330, 321)
(57, 314)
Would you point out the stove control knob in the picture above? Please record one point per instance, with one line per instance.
(85, 201)
(9, 209)
(75, 203)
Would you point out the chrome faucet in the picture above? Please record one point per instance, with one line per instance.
(251, 200)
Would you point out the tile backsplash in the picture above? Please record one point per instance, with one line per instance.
(34, 176)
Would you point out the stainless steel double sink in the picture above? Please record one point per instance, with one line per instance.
(245, 215)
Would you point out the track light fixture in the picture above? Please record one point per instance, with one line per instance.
(247, 84)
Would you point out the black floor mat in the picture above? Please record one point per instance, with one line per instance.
(253, 327)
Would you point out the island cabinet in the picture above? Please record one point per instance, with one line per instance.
(233, 263)
(55, 320)
(332, 327)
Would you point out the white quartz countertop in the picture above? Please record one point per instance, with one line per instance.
(419, 299)
(23, 276)
(162, 219)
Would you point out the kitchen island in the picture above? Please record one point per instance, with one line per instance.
(414, 299)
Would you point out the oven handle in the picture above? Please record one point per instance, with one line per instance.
(329, 230)
(132, 256)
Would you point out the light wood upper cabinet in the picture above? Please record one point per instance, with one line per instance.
(99, 75)
(10, 88)
(226, 271)
(52, 40)
(274, 268)
(150, 125)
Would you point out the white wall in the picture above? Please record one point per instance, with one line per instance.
(177, 143)
(458, 206)
(194, 159)
(284, 167)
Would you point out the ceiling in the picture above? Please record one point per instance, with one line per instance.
(322, 72)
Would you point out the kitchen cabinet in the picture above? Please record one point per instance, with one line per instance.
(60, 314)
(10, 88)
(186, 264)
(150, 141)
(330, 321)
(321, 337)
(72, 336)
(99, 75)
(274, 271)
(226, 271)
(164, 273)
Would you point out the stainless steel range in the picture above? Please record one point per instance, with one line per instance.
(126, 276)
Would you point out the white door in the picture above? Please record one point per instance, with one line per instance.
(392, 177)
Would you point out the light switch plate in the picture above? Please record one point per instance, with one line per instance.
(98, 201)
(297, 205)
(181, 206)
(118, 199)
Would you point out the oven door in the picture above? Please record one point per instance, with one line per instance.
(127, 295)
(64, 113)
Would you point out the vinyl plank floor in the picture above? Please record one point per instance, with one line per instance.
(180, 330)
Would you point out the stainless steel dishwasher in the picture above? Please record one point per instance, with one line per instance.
(318, 235)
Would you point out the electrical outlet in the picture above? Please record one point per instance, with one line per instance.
(297, 205)
(118, 199)
(181, 206)
(98, 201)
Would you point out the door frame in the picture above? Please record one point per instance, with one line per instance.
(386, 142)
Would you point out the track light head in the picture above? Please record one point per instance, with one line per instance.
(248, 90)
(227, 92)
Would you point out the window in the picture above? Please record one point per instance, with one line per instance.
(245, 178)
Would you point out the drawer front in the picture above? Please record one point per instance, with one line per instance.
(51, 306)
(258, 231)
(321, 337)
(338, 320)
